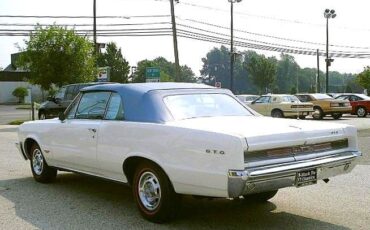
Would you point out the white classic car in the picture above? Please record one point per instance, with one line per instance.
(166, 139)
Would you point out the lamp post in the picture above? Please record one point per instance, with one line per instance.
(232, 43)
(328, 14)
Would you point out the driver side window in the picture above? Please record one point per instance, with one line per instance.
(92, 105)
(263, 99)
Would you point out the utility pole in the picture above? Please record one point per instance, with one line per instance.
(232, 47)
(174, 36)
(232, 54)
(318, 88)
(95, 43)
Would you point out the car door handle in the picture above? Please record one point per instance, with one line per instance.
(92, 130)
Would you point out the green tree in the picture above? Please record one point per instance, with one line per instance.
(167, 70)
(57, 55)
(113, 58)
(263, 71)
(363, 78)
(287, 73)
(216, 67)
(20, 92)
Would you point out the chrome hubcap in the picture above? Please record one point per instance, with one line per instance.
(149, 191)
(316, 113)
(361, 112)
(37, 162)
(42, 116)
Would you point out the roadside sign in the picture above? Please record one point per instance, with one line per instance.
(104, 74)
(153, 74)
(218, 84)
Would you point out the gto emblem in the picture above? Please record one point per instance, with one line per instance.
(214, 151)
(334, 132)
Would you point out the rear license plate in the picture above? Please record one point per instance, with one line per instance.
(307, 177)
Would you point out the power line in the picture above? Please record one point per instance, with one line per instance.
(151, 16)
(258, 41)
(82, 25)
(86, 30)
(247, 14)
(126, 34)
(274, 48)
(269, 17)
(203, 37)
(270, 36)
(268, 48)
(89, 17)
(164, 31)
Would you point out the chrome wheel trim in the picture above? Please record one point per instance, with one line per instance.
(42, 116)
(149, 191)
(316, 113)
(37, 162)
(361, 112)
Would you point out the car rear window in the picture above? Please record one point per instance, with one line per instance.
(204, 105)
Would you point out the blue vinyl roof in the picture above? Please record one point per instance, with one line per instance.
(142, 102)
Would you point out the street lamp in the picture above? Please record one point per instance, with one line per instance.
(232, 44)
(328, 14)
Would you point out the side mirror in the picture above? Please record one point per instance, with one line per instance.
(253, 102)
(50, 98)
(62, 117)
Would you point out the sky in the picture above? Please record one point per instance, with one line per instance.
(288, 19)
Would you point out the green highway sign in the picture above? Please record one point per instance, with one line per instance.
(152, 72)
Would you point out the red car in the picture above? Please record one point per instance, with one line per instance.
(360, 103)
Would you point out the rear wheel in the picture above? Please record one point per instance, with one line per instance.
(277, 113)
(302, 117)
(153, 193)
(41, 171)
(260, 197)
(361, 111)
(42, 116)
(336, 116)
(317, 114)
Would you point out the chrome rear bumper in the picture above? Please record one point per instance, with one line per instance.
(272, 177)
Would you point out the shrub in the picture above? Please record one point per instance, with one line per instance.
(20, 92)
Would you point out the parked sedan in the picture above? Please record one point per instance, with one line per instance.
(247, 98)
(167, 139)
(281, 105)
(58, 103)
(360, 103)
(325, 105)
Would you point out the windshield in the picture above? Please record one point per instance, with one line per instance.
(290, 98)
(60, 93)
(204, 105)
(321, 96)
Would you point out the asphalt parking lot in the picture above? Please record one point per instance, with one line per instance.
(10, 113)
(80, 202)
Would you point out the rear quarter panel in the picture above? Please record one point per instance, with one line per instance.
(181, 152)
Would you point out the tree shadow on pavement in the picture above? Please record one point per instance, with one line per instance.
(79, 202)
